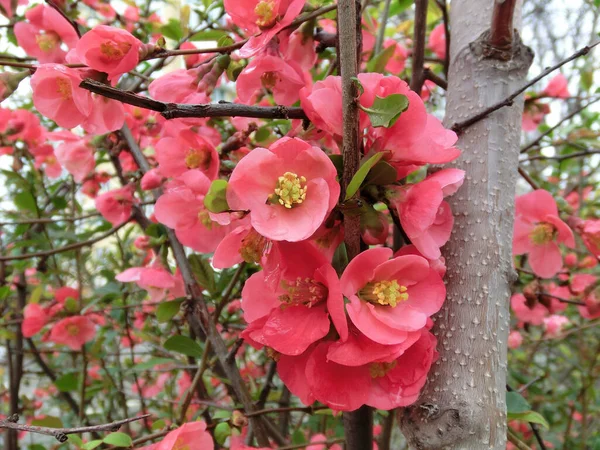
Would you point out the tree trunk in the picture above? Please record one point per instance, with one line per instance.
(463, 405)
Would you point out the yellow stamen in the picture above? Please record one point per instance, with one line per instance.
(380, 369)
(253, 247)
(269, 79)
(265, 13)
(290, 190)
(386, 292)
(197, 158)
(113, 50)
(542, 233)
(73, 330)
(303, 291)
(64, 88)
(47, 42)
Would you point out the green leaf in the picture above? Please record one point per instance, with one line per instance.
(209, 35)
(361, 174)
(183, 345)
(223, 414)
(68, 382)
(172, 30)
(399, 6)
(359, 85)
(222, 432)
(340, 258)
(378, 63)
(48, 421)
(225, 41)
(529, 416)
(516, 403)
(216, 198)
(153, 362)
(118, 440)
(36, 294)
(91, 445)
(76, 440)
(25, 200)
(203, 272)
(167, 310)
(158, 425)
(262, 134)
(385, 111)
(4, 292)
(381, 174)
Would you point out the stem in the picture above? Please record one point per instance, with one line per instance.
(501, 31)
(382, 25)
(418, 55)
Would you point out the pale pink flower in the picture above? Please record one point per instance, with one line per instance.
(106, 115)
(73, 332)
(187, 151)
(437, 41)
(396, 63)
(116, 205)
(191, 435)
(533, 315)
(558, 87)
(77, 157)
(555, 324)
(34, 319)
(515, 339)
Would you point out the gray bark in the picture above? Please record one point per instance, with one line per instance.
(463, 404)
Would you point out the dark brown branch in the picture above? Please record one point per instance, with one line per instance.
(61, 433)
(418, 55)
(442, 4)
(178, 110)
(459, 127)
(528, 178)
(66, 248)
(432, 76)
(502, 30)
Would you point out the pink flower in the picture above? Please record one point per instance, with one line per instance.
(538, 231)
(289, 189)
(44, 155)
(191, 435)
(298, 312)
(110, 50)
(73, 332)
(176, 86)
(437, 41)
(34, 319)
(591, 310)
(558, 87)
(116, 205)
(265, 71)
(181, 208)
(57, 95)
(77, 157)
(425, 216)
(515, 339)
(62, 294)
(533, 315)
(106, 115)
(43, 33)
(159, 282)
(268, 17)
(298, 47)
(389, 298)
(187, 151)
(533, 115)
(151, 180)
(590, 233)
(555, 324)
(396, 63)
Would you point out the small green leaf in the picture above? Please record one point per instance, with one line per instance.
(5, 292)
(36, 294)
(48, 421)
(91, 445)
(24, 200)
(209, 35)
(68, 382)
(153, 362)
(385, 111)
(223, 414)
(76, 440)
(167, 310)
(222, 432)
(203, 272)
(158, 425)
(183, 345)
(381, 174)
(225, 41)
(529, 416)
(359, 85)
(378, 63)
(262, 134)
(172, 30)
(516, 403)
(361, 174)
(216, 198)
(118, 440)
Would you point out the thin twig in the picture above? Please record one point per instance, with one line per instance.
(459, 127)
(61, 433)
(418, 55)
(528, 178)
(563, 157)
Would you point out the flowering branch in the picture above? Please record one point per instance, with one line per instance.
(61, 433)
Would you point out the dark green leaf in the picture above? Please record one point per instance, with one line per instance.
(216, 198)
(378, 63)
(172, 30)
(167, 310)
(48, 421)
(209, 35)
(262, 134)
(118, 440)
(68, 382)
(222, 432)
(183, 345)
(516, 403)
(529, 416)
(91, 445)
(24, 200)
(361, 174)
(381, 174)
(152, 362)
(203, 272)
(385, 111)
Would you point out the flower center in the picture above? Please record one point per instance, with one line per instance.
(303, 291)
(180, 444)
(63, 87)
(253, 247)
(290, 190)
(384, 293)
(48, 41)
(73, 330)
(205, 220)
(113, 50)
(196, 158)
(269, 79)
(265, 14)
(542, 233)
(380, 369)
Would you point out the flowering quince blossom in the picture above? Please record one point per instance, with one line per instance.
(43, 33)
(116, 205)
(425, 216)
(289, 189)
(538, 230)
(34, 319)
(181, 208)
(191, 435)
(515, 339)
(437, 41)
(73, 332)
(557, 87)
(57, 95)
(397, 61)
(158, 281)
(110, 50)
(77, 157)
(267, 17)
(389, 298)
(555, 324)
(534, 315)
(187, 151)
